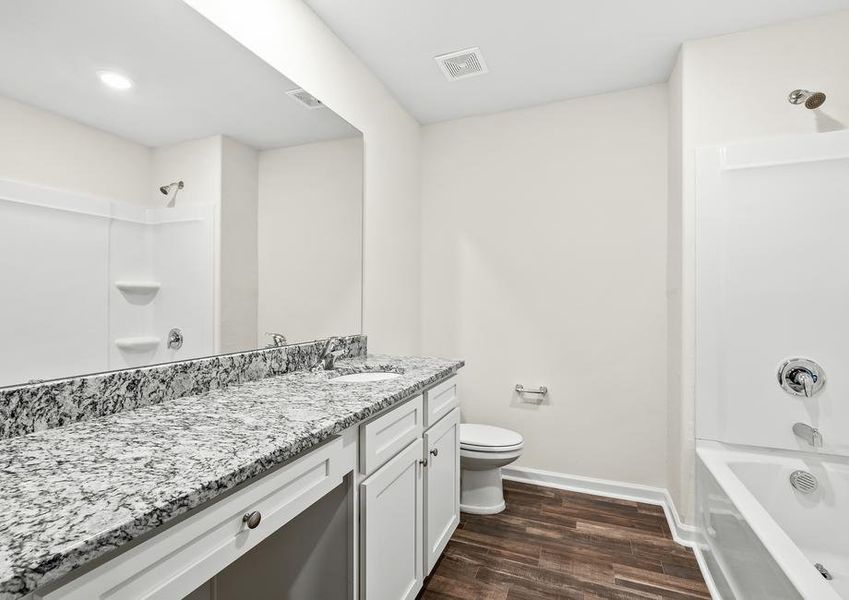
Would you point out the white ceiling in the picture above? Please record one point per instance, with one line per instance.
(192, 80)
(537, 50)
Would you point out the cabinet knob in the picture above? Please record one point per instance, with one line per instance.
(423, 462)
(435, 451)
(252, 519)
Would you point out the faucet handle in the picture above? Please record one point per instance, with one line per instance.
(806, 380)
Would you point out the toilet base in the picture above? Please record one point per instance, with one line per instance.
(481, 492)
(483, 510)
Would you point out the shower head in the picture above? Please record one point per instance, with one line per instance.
(166, 189)
(811, 100)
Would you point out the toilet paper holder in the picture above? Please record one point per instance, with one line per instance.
(541, 390)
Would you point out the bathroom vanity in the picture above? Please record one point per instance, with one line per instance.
(155, 502)
(170, 234)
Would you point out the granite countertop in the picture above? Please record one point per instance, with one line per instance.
(70, 494)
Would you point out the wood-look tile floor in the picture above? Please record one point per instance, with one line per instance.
(556, 544)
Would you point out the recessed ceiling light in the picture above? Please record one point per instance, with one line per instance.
(115, 80)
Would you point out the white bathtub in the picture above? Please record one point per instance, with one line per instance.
(762, 536)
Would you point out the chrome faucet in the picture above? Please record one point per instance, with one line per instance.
(277, 339)
(810, 434)
(328, 355)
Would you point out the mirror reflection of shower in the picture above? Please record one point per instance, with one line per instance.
(174, 187)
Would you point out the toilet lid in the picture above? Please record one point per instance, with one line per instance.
(487, 437)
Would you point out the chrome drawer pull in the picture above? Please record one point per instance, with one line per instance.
(252, 519)
(435, 451)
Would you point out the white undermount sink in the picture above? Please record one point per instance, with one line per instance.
(365, 377)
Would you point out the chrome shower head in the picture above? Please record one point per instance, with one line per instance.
(811, 100)
(166, 189)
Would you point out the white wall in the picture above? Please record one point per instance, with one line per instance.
(46, 149)
(239, 270)
(310, 239)
(544, 264)
(678, 468)
(291, 38)
(734, 88)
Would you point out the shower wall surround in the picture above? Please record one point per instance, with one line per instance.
(30, 408)
(68, 309)
(770, 286)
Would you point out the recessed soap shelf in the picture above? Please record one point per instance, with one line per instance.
(138, 286)
(138, 344)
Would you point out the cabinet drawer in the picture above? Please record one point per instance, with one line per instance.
(173, 563)
(440, 400)
(388, 434)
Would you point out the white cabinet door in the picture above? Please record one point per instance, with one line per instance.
(391, 534)
(442, 486)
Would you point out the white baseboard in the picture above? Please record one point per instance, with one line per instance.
(682, 533)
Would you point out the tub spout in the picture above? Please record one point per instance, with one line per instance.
(810, 434)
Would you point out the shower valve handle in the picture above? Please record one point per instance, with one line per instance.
(805, 380)
(801, 377)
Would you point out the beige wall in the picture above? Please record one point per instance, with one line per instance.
(734, 88)
(239, 270)
(46, 149)
(291, 38)
(675, 475)
(544, 264)
(310, 240)
(195, 162)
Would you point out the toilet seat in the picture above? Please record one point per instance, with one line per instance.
(487, 438)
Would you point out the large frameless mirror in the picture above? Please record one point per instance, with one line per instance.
(163, 199)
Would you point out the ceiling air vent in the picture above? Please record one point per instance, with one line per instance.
(305, 98)
(462, 64)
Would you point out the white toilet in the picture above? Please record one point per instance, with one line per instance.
(484, 449)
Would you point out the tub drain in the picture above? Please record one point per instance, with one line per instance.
(803, 481)
(823, 571)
